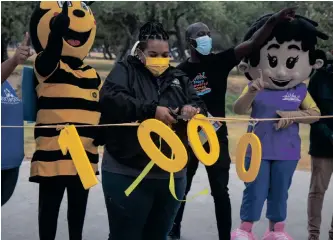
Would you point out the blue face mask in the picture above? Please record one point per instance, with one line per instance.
(204, 45)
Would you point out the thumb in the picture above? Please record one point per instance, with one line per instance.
(260, 73)
(26, 39)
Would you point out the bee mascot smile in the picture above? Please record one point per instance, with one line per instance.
(62, 34)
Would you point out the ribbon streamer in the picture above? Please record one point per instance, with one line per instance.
(216, 119)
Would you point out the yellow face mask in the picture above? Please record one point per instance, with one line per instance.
(157, 66)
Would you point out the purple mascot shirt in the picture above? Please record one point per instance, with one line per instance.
(282, 144)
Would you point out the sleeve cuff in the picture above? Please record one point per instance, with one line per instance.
(151, 111)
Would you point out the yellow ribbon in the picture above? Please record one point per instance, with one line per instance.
(172, 186)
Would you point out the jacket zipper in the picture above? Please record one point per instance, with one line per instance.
(158, 88)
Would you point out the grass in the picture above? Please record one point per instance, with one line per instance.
(236, 84)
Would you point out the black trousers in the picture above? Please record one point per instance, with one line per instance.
(8, 183)
(51, 193)
(147, 214)
(218, 175)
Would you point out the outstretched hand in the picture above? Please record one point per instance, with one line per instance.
(286, 13)
(60, 22)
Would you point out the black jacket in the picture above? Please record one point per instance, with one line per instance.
(321, 134)
(131, 93)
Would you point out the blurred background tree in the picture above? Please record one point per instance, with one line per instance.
(118, 23)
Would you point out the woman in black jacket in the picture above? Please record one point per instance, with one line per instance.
(141, 87)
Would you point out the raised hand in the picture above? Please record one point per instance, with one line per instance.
(23, 51)
(286, 13)
(60, 23)
(258, 84)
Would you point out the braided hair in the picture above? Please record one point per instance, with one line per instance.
(153, 31)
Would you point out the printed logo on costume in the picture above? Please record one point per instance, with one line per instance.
(291, 97)
(200, 84)
(176, 83)
(9, 98)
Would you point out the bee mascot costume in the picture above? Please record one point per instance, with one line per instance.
(62, 34)
(277, 72)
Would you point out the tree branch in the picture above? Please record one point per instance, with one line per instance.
(172, 32)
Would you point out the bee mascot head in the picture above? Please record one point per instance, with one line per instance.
(288, 56)
(77, 26)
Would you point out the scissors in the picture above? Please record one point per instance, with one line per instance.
(177, 116)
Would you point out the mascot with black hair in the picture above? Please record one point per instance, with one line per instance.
(277, 72)
(62, 34)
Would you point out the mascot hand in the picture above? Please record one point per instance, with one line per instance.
(60, 23)
(258, 84)
(283, 123)
(286, 13)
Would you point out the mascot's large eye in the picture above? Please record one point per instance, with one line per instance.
(61, 3)
(84, 6)
(291, 61)
(273, 61)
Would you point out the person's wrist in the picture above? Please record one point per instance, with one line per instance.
(153, 110)
(14, 61)
(252, 91)
(273, 19)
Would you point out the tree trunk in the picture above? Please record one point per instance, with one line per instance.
(180, 43)
(104, 53)
(124, 50)
(106, 50)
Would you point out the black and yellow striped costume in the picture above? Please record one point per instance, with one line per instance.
(68, 96)
(62, 34)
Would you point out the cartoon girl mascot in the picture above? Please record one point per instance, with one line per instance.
(277, 72)
(62, 34)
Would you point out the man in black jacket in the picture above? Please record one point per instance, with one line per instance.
(209, 73)
(321, 148)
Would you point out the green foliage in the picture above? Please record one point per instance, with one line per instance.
(229, 101)
(228, 20)
(118, 22)
(15, 17)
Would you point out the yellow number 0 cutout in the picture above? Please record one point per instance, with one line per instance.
(179, 157)
(192, 131)
(180, 154)
(177, 161)
(251, 174)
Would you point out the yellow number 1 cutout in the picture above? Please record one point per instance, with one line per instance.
(69, 140)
